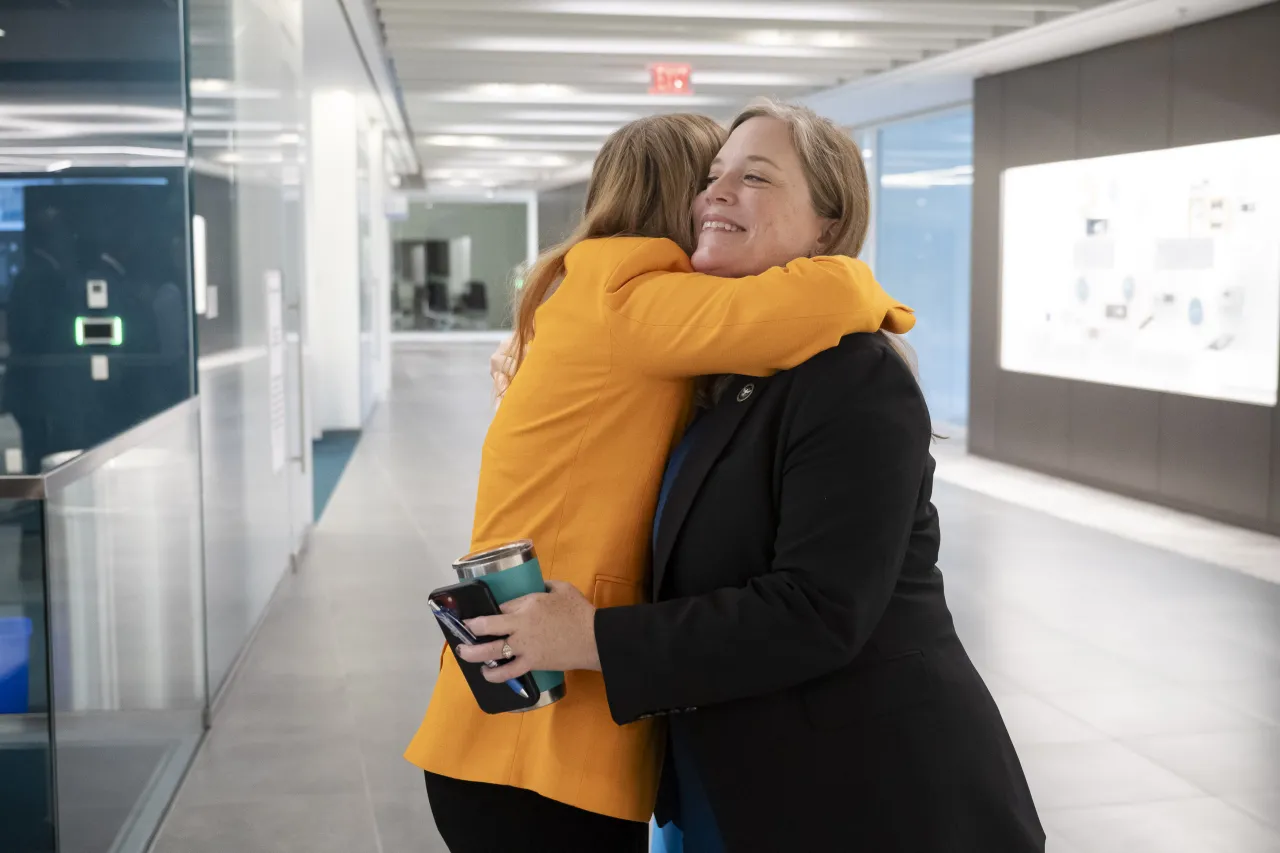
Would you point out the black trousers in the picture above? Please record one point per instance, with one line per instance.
(474, 817)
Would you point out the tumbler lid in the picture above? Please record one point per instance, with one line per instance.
(494, 559)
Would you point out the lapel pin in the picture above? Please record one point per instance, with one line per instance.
(745, 392)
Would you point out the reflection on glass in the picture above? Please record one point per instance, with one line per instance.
(925, 170)
(127, 650)
(248, 135)
(458, 266)
(26, 761)
(95, 308)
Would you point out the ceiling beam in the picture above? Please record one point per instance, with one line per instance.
(471, 22)
(656, 49)
(989, 13)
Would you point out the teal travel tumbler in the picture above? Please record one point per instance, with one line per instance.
(511, 571)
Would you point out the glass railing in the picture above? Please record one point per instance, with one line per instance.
(101, 559)
(26, 755)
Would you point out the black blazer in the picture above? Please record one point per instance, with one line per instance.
(801, 639)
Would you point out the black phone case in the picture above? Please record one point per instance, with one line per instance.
(471, 599)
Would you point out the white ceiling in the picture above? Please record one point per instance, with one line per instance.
(520, 93)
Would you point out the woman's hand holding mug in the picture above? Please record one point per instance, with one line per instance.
(553, 630)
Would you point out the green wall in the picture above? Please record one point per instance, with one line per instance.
(498, 243)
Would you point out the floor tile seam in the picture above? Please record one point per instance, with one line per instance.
(368, 800)
(1131, 744)
(1211, 698)
(983, 475)
(1257, 822)
(1102, 736)
(1156, 801)
(1140, 801)
(1274, 827)
(1119, 656)
(401, 502)
(1128, 506)
(1271, 829)
(1078, 640)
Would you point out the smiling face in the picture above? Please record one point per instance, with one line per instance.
(757, 211)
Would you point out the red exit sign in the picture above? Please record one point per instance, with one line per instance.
(670, 79)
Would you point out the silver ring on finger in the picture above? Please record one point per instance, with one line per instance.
(507, 652)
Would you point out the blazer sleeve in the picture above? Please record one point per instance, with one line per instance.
(850, 483)
(670, 321)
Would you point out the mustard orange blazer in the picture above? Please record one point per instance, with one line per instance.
(574, 459)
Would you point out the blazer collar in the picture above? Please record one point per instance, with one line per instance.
(718, 429)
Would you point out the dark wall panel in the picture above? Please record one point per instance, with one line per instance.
(1275, 470)
(1040, 120)
(984, 293)
(1113, 436)
(1032, 416)
(1226, 78)
(559, 212)
(1126, 97)
(1041, 108)
(1216, 455)
(1211, 82)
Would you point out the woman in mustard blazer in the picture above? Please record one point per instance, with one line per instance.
(574, 458)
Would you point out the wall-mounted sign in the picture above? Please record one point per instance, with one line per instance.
(276, 352)
(99, 331)
(397, 206)
(1156, 270)
(670, 79)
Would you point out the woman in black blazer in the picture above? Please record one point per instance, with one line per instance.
(801, 641)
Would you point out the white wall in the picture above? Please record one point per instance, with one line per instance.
(380, 247)
(333, 262)
(245, 184)
(349, 368)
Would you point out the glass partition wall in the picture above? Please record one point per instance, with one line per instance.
(922, 175)
(458, 265)
(103, 691)
(102, 659)
(26, 738)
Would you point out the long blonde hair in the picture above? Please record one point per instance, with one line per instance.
(643, 184)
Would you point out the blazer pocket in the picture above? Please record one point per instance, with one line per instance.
(855, 696)
(609, 591)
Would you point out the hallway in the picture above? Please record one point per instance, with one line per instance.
(1141, 686)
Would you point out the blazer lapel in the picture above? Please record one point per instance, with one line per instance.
(719, 427)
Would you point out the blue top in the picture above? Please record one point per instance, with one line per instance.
(694, 817)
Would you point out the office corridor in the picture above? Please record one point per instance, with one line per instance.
(1141, 686)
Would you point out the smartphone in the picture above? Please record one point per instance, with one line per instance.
(452, 605)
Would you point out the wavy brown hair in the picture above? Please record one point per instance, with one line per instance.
(643, 184)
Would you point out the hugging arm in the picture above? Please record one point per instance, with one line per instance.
(853, 470)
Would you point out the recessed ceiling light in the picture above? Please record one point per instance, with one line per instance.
(782, 13)
(634, 47)
(207, 86)
(454, 141)
(615, 117)
(629, 98)
(769, 38)
(527, 130)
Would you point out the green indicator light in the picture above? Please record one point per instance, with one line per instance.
(99, 331)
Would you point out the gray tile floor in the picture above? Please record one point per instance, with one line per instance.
(1142, 688)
